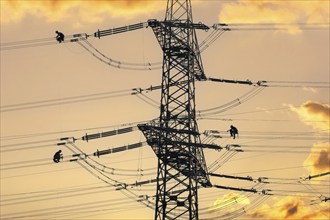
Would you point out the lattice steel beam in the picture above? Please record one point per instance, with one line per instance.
(175, 138)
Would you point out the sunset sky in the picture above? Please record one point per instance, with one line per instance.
(51, 91)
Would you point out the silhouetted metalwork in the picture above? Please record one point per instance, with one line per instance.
(119, 30)
(175, 137)
(88, 137)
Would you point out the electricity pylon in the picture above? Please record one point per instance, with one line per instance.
(175, 137)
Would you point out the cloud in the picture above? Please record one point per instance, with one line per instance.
(262, 11)
(317, 115)
(314, 114)
(265, 110)
(289, 208)
(83, 11)
(310, 89)
(319, 158)
(230, 199)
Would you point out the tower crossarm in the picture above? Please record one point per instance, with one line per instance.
(179, 49)
(178, 23)
(177, 155)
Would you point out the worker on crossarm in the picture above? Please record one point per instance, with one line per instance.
(233, 131)
(59, 37)
(58, 156)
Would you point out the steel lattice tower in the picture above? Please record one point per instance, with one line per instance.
(175, 138)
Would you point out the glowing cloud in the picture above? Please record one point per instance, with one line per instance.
(77, 10)
(310, 89)
(288, 12)
(319, 158)
(314, 114)
(289, 208)
(230, 199)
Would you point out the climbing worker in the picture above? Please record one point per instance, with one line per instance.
(233, 131)
(58, 156)
(59, 37)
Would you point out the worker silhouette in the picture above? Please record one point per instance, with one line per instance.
(233, 131)
(58, 156)
(59, 37)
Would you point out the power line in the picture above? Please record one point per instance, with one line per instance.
(80, 98)
(90, 168)
(118, 64)
(219, 29)
(41, 42)
(254, 120)
(76, 207)
(24, 107)
(25, 148)
(234, 103)
(137, 91)
(258, 111)
(275, 169)
(47, 172)
(28, 41)
(316, 176)
(30, 135)
(82, 155)
(264, 83)
(271, 26)
(272, 135)
(147, 100)
(280, 29)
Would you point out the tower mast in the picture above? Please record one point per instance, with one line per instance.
(175, 137)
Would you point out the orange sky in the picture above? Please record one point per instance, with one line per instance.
(276, 119)
(78, 11)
